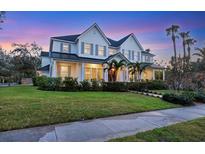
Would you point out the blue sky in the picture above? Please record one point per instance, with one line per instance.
(149, 27)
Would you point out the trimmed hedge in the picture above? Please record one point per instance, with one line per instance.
(178, 99)
(115, 86)
(148, 85)
(199, 97)
(50, 84)
(70, 84)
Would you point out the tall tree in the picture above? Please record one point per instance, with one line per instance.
(172, 31)
(113, 68)
(189, 43)
(184, 36)
(2, 17)
(26, 58)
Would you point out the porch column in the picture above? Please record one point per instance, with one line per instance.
(105, 75)
(153, 74)
(54, 67)
(127, 75)
(163, 74)
(82, 71)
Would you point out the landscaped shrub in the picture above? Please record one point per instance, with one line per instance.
(115, 86)
(156, 85)
(40, 80)
(70, 84)
(178, 99)
(147, 85)
(96, 85)
(47, 83)
(199, 97)
(85, 85)
(34, 81)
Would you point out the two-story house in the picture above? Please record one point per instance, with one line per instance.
(83, 56)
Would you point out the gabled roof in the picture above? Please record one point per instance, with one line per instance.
(44, 54)
(98, 28)
(117, 54)
(118, 43)
(111, 42)
(44, 68)
(75, 58)
(70, 38)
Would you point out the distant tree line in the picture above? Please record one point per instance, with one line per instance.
(21, 62)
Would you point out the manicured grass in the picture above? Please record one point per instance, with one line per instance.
(25, 106)
(192, 131)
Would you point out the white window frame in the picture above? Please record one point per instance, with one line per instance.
(86, 51)
(63, 47)
(101, 50)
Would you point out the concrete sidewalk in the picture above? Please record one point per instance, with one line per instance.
(104, 129)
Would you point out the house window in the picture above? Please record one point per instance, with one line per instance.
(87, 48)
(112, 51)
(93, 71)
(101, 50)
(65, 47)
(65, 71)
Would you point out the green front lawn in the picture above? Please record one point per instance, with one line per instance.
(192, 131)
(25, 106)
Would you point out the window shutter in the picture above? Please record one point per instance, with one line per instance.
(104, 50)
(69, 50)
(133, 55)
(82, 47)
(61, 47)
(129, 54)
(92, 50)
(96, 50)
(138, 56)
(123, 51)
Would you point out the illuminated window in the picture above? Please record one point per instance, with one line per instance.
(101, 50)
(93, 72)
(87, 48)
(65, 71)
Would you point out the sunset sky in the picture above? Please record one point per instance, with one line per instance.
(149, 27)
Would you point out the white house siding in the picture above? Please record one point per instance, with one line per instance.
(45, 61)
(131, 45)
(93, 36)
(56, 46)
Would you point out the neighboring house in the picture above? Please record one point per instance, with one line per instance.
(82, 56)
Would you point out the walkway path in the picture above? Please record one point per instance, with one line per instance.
(104, 129)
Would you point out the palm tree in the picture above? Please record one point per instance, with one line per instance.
(134, 69)
(184, 36)
(137, 69)
(189, 43)
(172, 31)
(201, 53)
(113, 68)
